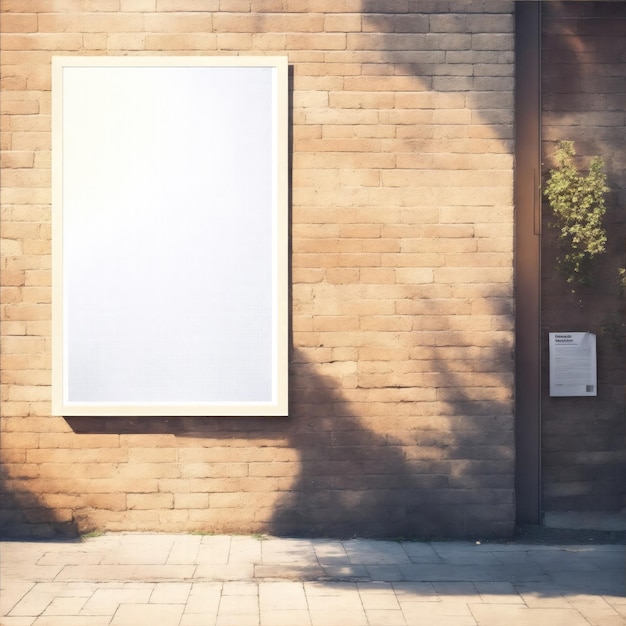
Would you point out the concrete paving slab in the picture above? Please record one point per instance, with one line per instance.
(11, 592)
(237, 588)
(385, 617)
(421, 552)
(329, 588)
(240, 605)
(603, 582)
(204, 598)
(285, 618)
(27, 570)
(107, 601)
(345, 618)
(452, 573)
(330, 552)
(371, 552)
(376, 598)
(237, 620)
(284, 596)
(214, 550)
(76, 557)
(197, 619)
(492, 614)
(425, 611)
(289, 551)
(236, 571)
(548, 596)
(189, 580)
(125, 571)
(289, 571)
(244, 550)
(386, 573)
(498, 593)
(418, 591)
(65, 606)
(18, 621)
(72, 620)
(184, 550)
(170, 593)
(36, 600)
(143, 614)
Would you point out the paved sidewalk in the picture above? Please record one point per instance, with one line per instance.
(193, 580)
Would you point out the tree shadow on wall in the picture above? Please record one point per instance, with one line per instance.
(417, 474)
(25, 514)
(405, 471)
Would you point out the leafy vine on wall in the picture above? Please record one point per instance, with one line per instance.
(578, 206)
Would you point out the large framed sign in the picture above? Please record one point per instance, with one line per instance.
(170, 236)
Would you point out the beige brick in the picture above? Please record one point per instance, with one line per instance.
(41, 328)
(12, 328)
(237, 6)
(269, 42)
(17, 159)
(43, 41)
(76, 455)
(321, 41)
(144, 471)
(31, 141)
(177, 23)
(23, 345)
(138, 6)
(92, 22)
(27, 312)
(26, 377)
(190, 5)
(14, 409)
(39, 278)
(342, 23)
(12, 278)
(191, 501)
(9, 457)
(102, 5)
(324, 6)
(126, 41)
(147, 441)
(193, 469)
(234, 41)
(110, 502)
(19, 440)
(152, 455)
(29, 213)
(180, 41)
(37, 6)
(95, 42)
(71, 440)
(150, 501)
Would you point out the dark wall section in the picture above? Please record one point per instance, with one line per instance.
(583, 95)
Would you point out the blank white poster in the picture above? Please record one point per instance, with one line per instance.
(170, 236)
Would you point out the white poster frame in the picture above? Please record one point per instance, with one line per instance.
(170, 236)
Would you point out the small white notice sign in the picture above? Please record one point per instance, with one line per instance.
(573, 370)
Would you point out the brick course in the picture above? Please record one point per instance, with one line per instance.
(401, 419)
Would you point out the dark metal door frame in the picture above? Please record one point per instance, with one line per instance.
(527, 261)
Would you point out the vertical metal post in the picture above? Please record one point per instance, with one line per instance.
(527, 261)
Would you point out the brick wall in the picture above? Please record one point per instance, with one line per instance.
(401, 371)
(584, 69)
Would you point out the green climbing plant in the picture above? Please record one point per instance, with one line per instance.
(578, 206)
